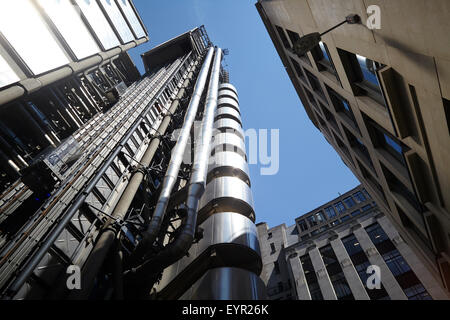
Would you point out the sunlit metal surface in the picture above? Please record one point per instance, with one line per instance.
(7, 74)
(30, 36)
(229, 125)
(228, 112)
(132, 18)
(227, 194)
(228, 142)
(229, 234)
(69, 23)
(98, 22)
(118, 20)
(227, 284)
(228, 164)
(228, 93)
(229, 86)
(228, 102)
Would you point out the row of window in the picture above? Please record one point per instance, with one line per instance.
(402, 272)
(333, 211)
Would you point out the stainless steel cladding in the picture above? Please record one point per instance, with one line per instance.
(226, 261)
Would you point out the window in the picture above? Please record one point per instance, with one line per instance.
(335, 223)
(312, 221)
(269, 235)
(345, 218)
(330, 212)
(339, 207)
(276, 267)
(356, 213)
(283, 37)
(336, 274)
(361, 263)
(311, 278)
(298, 69)
(366, 208)
(315, 84)
(272, 247)
(360, 147)
(343, 107)
(349, 202)
(362, 73)
(303, 225)
(359, 196)
(319, 217)
(447, 111)
(323, 59)
(417, 292)
(294, 36)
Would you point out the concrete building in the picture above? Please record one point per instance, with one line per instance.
(381, 99)
(325, 255)
(99, 200)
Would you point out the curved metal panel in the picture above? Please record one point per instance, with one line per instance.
(228, 141)
(228, 93)
(228, 102)
(227, 284)
(229, 125)
(228, 86)
(228, 112)
(226, 194)
(228, 164)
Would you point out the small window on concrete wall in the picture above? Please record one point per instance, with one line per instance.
(283, 37)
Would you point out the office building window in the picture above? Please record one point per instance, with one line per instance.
(335, 223)
(362, 73)
(323, 59)
(360, 147)
(417, 292)
(359, 197)
(294, 36)
(337, 277)
(311, 278)
(298, 69)
(361, 263)
(447, 111)
(349, 202)
(272, 248)
(402, 272)
(366, 208)
(315, 84)
(345, 218)
(343, 107)
(340, 208)
(303, 225)
(319, 217)
(312, 221)
(330, 212)
(355, 213)
(283, 37)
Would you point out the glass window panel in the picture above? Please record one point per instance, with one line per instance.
(368, 69)
(132, 18)
(324, 51)
(69, 23)
(7, 74)
(118, 20)
(27, 32)
(349, 202)
(397, 147)
(330, 212)
(98, 22)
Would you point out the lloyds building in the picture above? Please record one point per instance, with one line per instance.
(93, 177)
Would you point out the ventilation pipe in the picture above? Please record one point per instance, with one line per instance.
(171, 177)
(197, 184)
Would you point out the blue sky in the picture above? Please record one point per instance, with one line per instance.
(311, 172)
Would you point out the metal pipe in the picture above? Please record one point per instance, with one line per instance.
(171, 177)
(197, 184)
(77, 202)
(105, 241)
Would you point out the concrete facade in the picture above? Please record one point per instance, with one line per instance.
(362, 236)
(381, 97)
